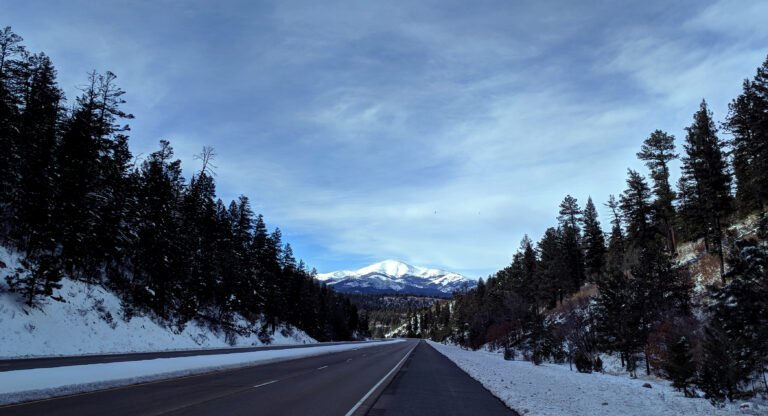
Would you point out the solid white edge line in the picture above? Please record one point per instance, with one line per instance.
(264, 384)
(360, 403)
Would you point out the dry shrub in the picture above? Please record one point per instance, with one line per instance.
(657, 347)
(498, 334)
(707, 268)
(578, 300)
(666, 334)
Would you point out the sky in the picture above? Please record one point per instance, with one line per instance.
(433, 132)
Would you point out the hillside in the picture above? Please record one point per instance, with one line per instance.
(89, 319)
(84, 214)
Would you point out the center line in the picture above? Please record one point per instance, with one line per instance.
(320, 368)
(264, 384)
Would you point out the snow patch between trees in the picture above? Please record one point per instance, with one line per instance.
(551, 389)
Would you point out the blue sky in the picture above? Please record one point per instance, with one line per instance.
(435, 132)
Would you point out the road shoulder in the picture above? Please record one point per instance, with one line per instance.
(428, 383)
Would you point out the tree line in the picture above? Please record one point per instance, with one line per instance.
(580, 291)
(74, 201)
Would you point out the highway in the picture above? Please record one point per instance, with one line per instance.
(429, 384)
(342, 383)
(48, 362)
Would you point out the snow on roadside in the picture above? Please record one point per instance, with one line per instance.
(40, 383)
(552, 389)
(90, 320)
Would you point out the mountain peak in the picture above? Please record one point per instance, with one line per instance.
(394, 276)
(394, 268)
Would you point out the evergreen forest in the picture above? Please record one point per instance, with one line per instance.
(585, 290)
(76, 202)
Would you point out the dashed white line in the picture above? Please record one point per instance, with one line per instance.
(349, 359)
(320, 368)
(264, 384)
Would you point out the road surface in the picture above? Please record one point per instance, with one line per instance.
(49, 362)
(429, 384)
(331, 384)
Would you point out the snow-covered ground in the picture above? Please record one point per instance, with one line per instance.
(23, 385)
(552, 389)
(90, 320)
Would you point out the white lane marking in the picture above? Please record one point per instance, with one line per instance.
(360, 403)
(264, 384)
(320, 368)
(349, 359)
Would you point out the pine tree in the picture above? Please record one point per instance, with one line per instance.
(680, 366)
(641, 287)
(659, 291)
(12, 68)
(717, 378)
(593, 242)
(287, 261)
(248, 262)
(705, 167)
(691, 221)
(93, 163)
(573, 257)
(520, 276)
(735, 344)
(636, 209)
(747, 121)
(616, 241)
(159, 258)
(116, 185)
(202, 275)
(32, 228)
(227, 298)
(38, 125)
(657, 151)
(550, 269)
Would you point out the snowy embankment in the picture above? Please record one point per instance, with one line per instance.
(40, 383)
(552, 389)
(90, 320)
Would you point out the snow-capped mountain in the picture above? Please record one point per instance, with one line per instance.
(392, 276)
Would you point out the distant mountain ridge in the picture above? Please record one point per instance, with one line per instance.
(396, 277)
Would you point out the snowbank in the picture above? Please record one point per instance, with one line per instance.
(551, 389)
(40, 383)
(90, 321)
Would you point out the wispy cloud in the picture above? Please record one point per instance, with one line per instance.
(434, 132)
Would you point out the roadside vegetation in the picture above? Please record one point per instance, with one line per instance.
(75, 203)
(675, 286)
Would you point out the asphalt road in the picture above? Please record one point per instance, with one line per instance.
(49, 362)
(431, 384)
(330, 384)
(426, 384)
